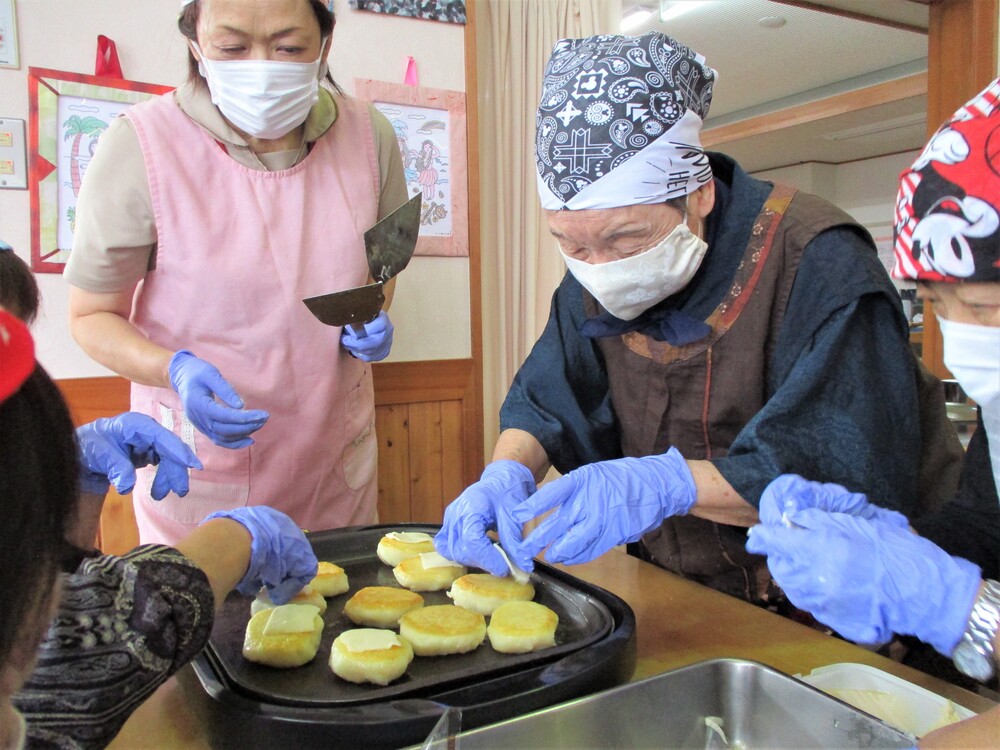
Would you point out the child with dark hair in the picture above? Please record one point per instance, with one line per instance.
(18, 290)
(77, 683)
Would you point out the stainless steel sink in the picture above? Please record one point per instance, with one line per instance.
(756, 707)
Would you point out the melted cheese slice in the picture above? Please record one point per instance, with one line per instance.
(368, 639)
(433, 560)
(515, 572)
(291, 618)
(409, 537)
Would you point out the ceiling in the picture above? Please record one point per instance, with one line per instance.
(767, 73)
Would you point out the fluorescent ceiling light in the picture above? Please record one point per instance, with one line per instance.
(636, 18)
(670, 9)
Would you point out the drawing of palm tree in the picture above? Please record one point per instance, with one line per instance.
(77, 127)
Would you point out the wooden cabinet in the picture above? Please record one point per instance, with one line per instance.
(427, 423)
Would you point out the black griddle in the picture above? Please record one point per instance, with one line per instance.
(250, 705)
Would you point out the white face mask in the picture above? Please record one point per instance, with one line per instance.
(628, 287)
(972, 353)
(263, 98)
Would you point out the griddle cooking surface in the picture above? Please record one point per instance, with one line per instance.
(583, 620)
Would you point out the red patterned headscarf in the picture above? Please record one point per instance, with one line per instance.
(17, 354)
(947, 222)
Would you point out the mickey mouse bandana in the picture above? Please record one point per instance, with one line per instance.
(947, 219)
(619, 121)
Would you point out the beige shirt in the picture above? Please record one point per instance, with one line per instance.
(115, 234)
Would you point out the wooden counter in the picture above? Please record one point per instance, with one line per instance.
(678, 623)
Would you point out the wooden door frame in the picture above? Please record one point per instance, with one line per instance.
(961, 61)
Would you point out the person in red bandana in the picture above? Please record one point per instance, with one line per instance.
(870, 577)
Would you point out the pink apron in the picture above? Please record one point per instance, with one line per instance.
(238, 249)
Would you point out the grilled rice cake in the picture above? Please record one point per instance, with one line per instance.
(330, 580)
(427, 572)
(308, 595)
(397, 546)
(483, 593)
(520, 627)
(285, 636)
(370, 655)
(381, 606)
(442, 629)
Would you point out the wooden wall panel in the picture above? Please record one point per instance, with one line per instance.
(455, 445)
(391, 428)
(426, 486)
(430, 447)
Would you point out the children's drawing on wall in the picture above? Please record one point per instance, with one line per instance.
(80, 124)
(423, 137)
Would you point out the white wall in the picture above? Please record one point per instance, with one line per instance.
(431, 306)
(865, 189)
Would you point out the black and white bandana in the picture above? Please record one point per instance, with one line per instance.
(607, 99)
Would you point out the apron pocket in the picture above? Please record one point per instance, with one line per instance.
(223, 484)
(360, 457)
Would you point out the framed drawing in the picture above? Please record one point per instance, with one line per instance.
(430, 132)
(67, 112)
(8, 35)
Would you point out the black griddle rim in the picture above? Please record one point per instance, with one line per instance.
(609, 662)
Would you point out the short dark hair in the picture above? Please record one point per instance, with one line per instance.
(38, 497)
(187, 22)
(18, 288)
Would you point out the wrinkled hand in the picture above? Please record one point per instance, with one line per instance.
(199, 383)
(281, 558)
(486, 505)
(111, 449)
(373, 347)
(869, 579)
(790, 493)
(605, 504)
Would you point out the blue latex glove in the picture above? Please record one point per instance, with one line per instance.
(605, 504)
(281, 558)
(373, 347)
(112, 448)
(790, 493)
(486, 505)
(869, 579)
(199, 384)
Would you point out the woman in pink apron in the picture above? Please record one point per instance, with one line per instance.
(234, 198)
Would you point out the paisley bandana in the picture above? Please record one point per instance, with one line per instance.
(17, 354)
(619, 120)
(947, 219)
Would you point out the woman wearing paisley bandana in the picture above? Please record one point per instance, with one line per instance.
(714, 331)
(232, 199)
(867, 577)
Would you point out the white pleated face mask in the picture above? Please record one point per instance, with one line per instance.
(972, 353)
(628, 287)
(263, 98)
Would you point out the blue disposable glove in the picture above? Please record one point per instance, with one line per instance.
(281, 558)
(605, 504)
(112, 448)
(869, 579)
(199, 383)
(373, 347)
(486, 505)
(790, 493)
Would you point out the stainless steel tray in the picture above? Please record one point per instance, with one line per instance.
(583, 621)
(758, 707)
